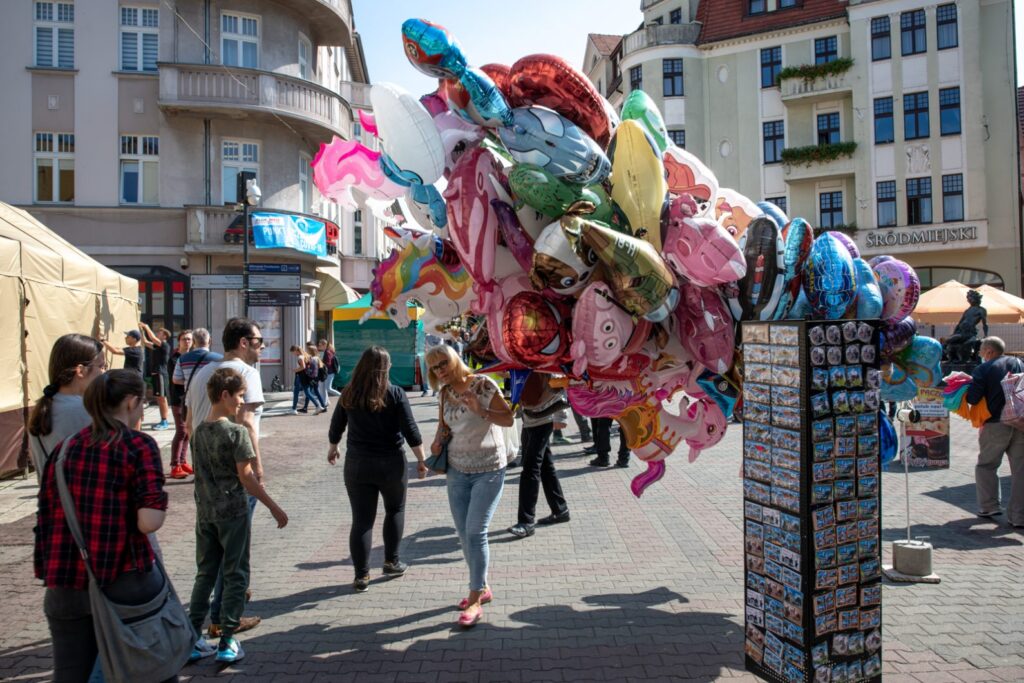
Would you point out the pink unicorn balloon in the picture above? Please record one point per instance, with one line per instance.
(346, 165)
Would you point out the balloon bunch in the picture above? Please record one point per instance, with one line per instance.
(594, 247)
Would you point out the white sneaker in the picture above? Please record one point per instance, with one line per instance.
(201, 650)
(294, 412)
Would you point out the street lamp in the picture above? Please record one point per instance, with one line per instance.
(253, 195)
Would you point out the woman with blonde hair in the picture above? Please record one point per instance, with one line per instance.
(472, 412)
(304, 382)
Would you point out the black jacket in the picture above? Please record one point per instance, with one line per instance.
(985, 383)
(376, 434)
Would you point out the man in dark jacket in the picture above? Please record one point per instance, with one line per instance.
(995, 438)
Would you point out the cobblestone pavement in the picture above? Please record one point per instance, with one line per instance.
(631, 589)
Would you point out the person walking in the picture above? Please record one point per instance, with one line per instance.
(159, 346)
(116, 480)
(602, 431)
(179, 444)
(75, 361)
(330, 361)
(543, 408)
(378, 418)
(474, 411)
(304, 381)
(995, 438)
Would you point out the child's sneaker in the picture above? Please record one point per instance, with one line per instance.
(229, 651)
(161, 425)
(178, 472)
(187, 469)
(201, 650)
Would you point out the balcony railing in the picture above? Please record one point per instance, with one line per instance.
(652, 36)
(356, 94)
(211, 89)
(819, 170)
(821, 87)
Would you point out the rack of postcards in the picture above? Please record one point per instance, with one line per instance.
(812, 499)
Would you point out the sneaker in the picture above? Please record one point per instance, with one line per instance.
(586, 438)
(323, 410)
(178, 472)
(521, 530)
(229, 651)
(622, 462)
(294, 412)
(201, 650)
(396, 568)
(554, 519)
(559, 440)
(303, 410)
(590, 450)
(600, 461)
(161, 425)
(992, 513)
(187, 468)
(361, 584)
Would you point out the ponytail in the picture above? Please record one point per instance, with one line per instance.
(69, 352)
(102, 398)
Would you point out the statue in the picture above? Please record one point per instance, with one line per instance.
(962, 345)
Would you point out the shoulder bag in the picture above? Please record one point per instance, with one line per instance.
(439, 462)
(137, 643)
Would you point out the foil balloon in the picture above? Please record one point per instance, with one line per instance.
(775, 213)
(897, 385)
(602, 332)
(686, 174)
(635, 272)
(869, 294)
(517, 381)
(720, 390)
(801, 307)
(711, 422)
(457, 137)
(756, 296)
(367, 122)
(639, 107)
(705, 326)
(797, 239)
(828, 278)
(638, 182)
(557, 265)
(432, 102)
(896, 336)
(552, 196)
(921, 361)
(847, 242)
(536, 331)
(881, 258)
(477, 99)
(517, 240)
(698, 248)
(407, 132)
(432, 50)
(499, 73)
(545, 138)
(427, 206)
(734, 212)
(344, 166)
(888, 442)
(396, 174)
(551, 82)
(494, 307)
(472, 222)
(900, 289)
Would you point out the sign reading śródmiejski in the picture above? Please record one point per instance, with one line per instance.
(935, 237)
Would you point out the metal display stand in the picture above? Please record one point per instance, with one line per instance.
(812, 500)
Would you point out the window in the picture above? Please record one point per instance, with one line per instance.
(828, 128)
(883, 121)
(949, 111)
(675, 16)
(357, 233)
(139, 38)
(919, 201)
(779, 202)
(140, 169)
(783, 4)
(237, 156)
(915, 116)
(774, 141)
(636, 77)
(830, 209)
(305, 50)
(953, 197)
(945, 29)
(240, 40)
(886, 193)
(913, 39)
(756, 6)
(771, 65)
(305, 196)
(55, 34)
(55, 167)
(881, 44)
(678, 138)
(658, 22)
(826, 50)
(672, 77)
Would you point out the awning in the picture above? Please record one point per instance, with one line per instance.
(333, 292)
(947, 302)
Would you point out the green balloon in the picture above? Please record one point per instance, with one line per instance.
(553, 196)
(641, 108)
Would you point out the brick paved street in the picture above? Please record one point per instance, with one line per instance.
(645, 589)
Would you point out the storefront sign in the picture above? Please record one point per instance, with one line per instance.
(273, 230)
(942, 237)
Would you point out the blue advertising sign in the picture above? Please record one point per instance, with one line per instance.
(273, 230)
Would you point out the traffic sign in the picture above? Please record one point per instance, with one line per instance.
(275, 298)
(288, 283)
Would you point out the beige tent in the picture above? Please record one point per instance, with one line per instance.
(48, 288)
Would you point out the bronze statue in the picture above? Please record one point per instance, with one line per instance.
(962, 345)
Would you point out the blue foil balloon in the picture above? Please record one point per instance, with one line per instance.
(797, 241)
(829, 279)
(869, 294)
(921, 360)
(432, 50)
(898, 386)
(486, 106)
(397, 175)
(720, 391)
(887, 440)
(775, 213)
(545, 138)
(430, 200)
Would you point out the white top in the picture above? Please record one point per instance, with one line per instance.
(68, 417)
(198, 401)
(477, 445)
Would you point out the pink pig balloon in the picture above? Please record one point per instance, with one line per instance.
(699, 248)
(705, 327)
(601, 331)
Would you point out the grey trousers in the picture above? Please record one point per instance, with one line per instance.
(995, 439)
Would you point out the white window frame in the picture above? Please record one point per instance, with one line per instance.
(144, 151)
(239, 163)
(305, 188)
(305, 60)
(138, 29)
(60, 18)
(61, 147)
(240, 37)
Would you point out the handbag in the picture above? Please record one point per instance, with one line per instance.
(1013, 392)
(137, 643)
(439, 462)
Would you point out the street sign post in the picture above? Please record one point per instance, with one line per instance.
(275, 298)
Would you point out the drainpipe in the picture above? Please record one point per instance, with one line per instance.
(207, 153)
(1020, 204)
(206, 33)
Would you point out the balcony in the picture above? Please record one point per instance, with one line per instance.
(217, 230)
(356, 94)
(821, 88)
(818, 170)
(652, 36)
(330, 20)
(210, 90)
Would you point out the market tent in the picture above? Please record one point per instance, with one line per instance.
(990, 295)
(48, 288)
(947, 302)
(352, 337)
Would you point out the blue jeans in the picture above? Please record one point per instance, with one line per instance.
(299, 386)
(218, 587)
(473, 499)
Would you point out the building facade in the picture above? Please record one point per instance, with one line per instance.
(128, 122)
(893, 120)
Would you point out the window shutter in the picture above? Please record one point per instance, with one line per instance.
(44, 46)
(66, 48)
(129, 51)
(149, 51)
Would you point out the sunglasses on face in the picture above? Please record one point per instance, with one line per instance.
(438, 367)
(255, 341)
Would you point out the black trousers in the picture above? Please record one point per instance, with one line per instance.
(367, 479)
(602, 429)
(583, 425)
(538, 471)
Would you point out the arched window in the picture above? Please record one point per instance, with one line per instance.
(933, 276)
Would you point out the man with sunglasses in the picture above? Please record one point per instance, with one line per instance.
(242, 342)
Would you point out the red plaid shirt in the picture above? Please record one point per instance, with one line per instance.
(109, 484)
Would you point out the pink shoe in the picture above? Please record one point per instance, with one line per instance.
(485, 598)
(466, 619)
